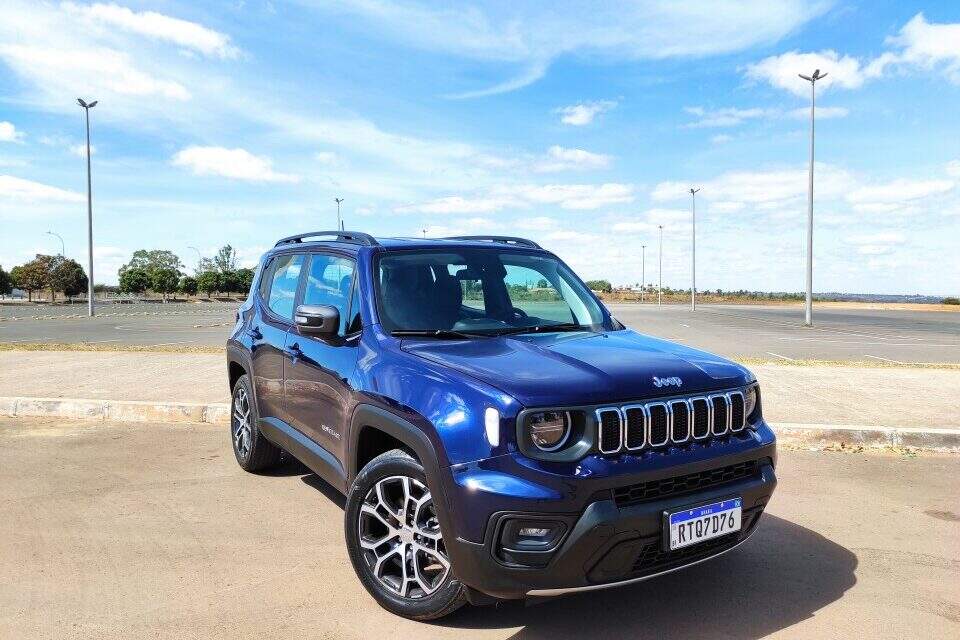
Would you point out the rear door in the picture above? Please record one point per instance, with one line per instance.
(317, 377)
(268, 332)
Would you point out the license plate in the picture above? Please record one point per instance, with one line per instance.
(691, 526)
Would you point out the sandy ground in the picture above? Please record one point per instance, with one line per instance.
(153, 531)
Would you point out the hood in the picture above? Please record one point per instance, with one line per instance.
(582, 368)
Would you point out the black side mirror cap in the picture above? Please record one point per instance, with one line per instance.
(322, 320)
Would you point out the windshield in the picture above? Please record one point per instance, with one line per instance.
(482, 291)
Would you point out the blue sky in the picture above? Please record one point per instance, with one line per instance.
(579, 125)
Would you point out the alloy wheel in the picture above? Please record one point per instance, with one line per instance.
(242, 435)
(400, 537)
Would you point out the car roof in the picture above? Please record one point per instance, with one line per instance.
(396, 244)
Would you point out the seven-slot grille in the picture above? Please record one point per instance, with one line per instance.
(655, 424)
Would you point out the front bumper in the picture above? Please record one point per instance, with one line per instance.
(609, 542)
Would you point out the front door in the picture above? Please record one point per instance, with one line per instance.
(317, 372)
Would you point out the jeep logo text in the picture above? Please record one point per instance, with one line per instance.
(667, 382)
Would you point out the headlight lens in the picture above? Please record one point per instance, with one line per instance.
(549, 430)
(750, 400)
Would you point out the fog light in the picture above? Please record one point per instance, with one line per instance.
(534, 532)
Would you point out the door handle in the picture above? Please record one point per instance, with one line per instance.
(294, 352)
(254, 332)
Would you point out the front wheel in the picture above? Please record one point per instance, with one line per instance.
(394, 540)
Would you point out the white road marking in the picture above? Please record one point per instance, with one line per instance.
(167, 344)
(867, 355)
(99, 341)
(780, 356)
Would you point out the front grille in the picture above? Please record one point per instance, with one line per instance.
(673, 421)
(679, 485)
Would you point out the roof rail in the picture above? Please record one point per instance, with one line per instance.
(520, 242)
(351, 237)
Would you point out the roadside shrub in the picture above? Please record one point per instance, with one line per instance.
(951, 301)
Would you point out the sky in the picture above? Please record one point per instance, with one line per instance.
(580, 125)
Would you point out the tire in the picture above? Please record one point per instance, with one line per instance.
(400, 558)
(253, 451)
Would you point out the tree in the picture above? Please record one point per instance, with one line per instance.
(68, 276)
(134, 280)
(602, 286)
(32, 276)
(542, 283)
(164, 281)
(229, 281)
(225, 260)
(209, 281)
(153, 260)
(6, 283)
(188, 286)
(244, 280)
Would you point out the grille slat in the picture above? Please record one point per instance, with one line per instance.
(636, 427)
(701, 418)
(659, 424)
(737, 419)
(611, 432)
(669, 487)
(681, 421)
(721, 414)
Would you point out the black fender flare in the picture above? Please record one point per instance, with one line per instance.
(236, 354)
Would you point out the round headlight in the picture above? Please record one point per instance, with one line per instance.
(749, 400)
(549, 430)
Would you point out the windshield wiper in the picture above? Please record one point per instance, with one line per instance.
(436, 333)
(544, 328)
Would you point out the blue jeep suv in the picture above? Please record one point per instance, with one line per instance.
(497, 433)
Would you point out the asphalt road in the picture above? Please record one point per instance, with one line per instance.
(772, 332)
(153, 531)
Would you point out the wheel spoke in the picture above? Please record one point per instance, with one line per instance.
(373, 513)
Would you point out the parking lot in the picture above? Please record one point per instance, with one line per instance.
(151, 530)
(765, 332)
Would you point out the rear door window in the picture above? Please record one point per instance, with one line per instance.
(283, 284)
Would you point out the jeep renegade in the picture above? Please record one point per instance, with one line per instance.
(496, 432)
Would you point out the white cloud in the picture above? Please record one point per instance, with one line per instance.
(9, 133)
(562, 159)
(899, 190)
(876, 244)
(237, 164)
(731, 117)
(721, 138)
(81, 150)
(87, 71)
(529, 36)
(326, 157)
(823, 113)
(583, 113)
(919, 45)
(184, 33)
(953, 168)
(565, 196)
(782, 71)
(14, 188)
(772, 189)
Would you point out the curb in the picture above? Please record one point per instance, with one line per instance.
(116, 410)
(812, 435)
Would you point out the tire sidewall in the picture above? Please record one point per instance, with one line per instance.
(443, 600)
(242, 383)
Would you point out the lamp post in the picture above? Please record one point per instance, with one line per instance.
(86, 109)
(63, 249)
(693, 267)
(339, 220)
(660, 275)
(643, 270)
(808, 315)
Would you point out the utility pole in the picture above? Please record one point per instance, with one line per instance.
(86, 109)
(693, 268)
(424, 232)
(808, 316)
(660, 275)
(63, 249)
(339, 219)
(643, 270)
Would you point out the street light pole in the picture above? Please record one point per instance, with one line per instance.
(63, 249)
(808, 315)
(643, 270)
(660, 275)
(693, 268)
(86, 109)
(339, 220)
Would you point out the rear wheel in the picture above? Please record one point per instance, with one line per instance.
(394, 540)
(253, 451)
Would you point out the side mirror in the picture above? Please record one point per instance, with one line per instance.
(322, 320)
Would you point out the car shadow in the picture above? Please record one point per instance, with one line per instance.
(783, 575)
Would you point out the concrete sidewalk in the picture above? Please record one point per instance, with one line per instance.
(880, 397)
